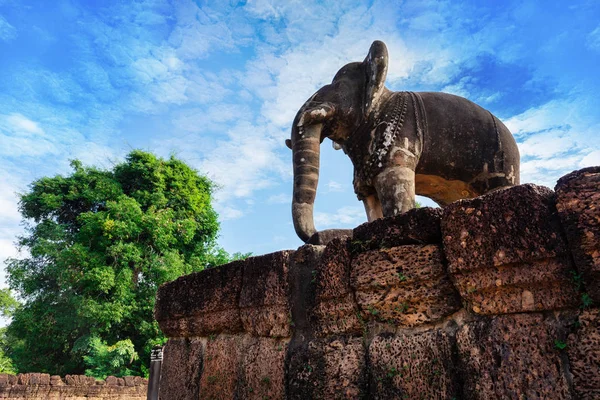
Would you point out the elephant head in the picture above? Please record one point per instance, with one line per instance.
(334, 111)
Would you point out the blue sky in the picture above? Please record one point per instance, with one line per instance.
(218, 84)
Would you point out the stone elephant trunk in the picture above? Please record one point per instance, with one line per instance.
(305, 145)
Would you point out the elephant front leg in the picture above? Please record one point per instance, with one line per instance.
(373, 208)
(395, 188)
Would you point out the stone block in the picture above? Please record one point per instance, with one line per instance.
(578, 205)
(583, 348)
(301, 281)
(323, 238)
(263, 368)
(335, 310)
(23, 379)
(419, 365)
(404, 285)
(265, 309)
(416, 226)
(201, 303)
(512, 356)
(181, 369)
(506, 252)
(221, 368)
(329, 368)
(129, 380)
(112, 380)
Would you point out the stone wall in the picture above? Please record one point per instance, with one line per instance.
(73, 387)
(490, 298)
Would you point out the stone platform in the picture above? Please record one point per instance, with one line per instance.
(490, 298)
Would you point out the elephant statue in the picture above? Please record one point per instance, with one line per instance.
(436, 145)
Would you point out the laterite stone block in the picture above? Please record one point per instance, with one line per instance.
(413, 366)
(416, 226)
(506, 252)
(221, 368)
(264, 305)
(181, 369)
(512, 356)
(335, 311)
(405, 285)
(583, 348)
(201, 303)
(331, 368)
(578, 204)
(263, 368)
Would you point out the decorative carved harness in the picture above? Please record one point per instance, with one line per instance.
(376, 153)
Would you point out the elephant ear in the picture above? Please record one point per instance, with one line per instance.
(376, 65)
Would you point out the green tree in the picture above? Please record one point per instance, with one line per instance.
(8, 305)
(99, 244)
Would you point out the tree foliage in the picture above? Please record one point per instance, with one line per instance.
(99, 244)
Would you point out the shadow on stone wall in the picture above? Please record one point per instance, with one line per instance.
(490, 298)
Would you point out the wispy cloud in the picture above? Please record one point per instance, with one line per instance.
(281, 198)
(593, 39)
(7, 31)
(347, 216)
(553, 140)
(333, 186)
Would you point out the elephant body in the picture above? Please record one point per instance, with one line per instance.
(457, 148)
(437, 145)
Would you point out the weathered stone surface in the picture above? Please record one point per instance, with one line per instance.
(265, 309)
(331, 368)
(417, 226)
(335, 310)
(201, 303)
(41, 386)
(323, 238)
(583, 348)
(181, 369)
(506, 253)
(512, 356)
(404, 285)
(578, 205)
(413, 366)
(301, 280)
(534, 286)
(221, 367)
(263, 368)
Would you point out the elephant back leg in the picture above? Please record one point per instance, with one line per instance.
(372, 208)
(395, 187)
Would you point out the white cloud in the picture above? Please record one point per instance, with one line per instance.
(228, 213)
(547, 144)
(590, 160)
(23, 137)
(554, 139)
(7, 31)
(19, 122)
(555, 113)
(9, 218)
(348, 216)
(333, 186)
(593, 39)
(245, 163)
(281, 198)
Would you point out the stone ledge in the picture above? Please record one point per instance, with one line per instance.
(489, 297)
(43, 386)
